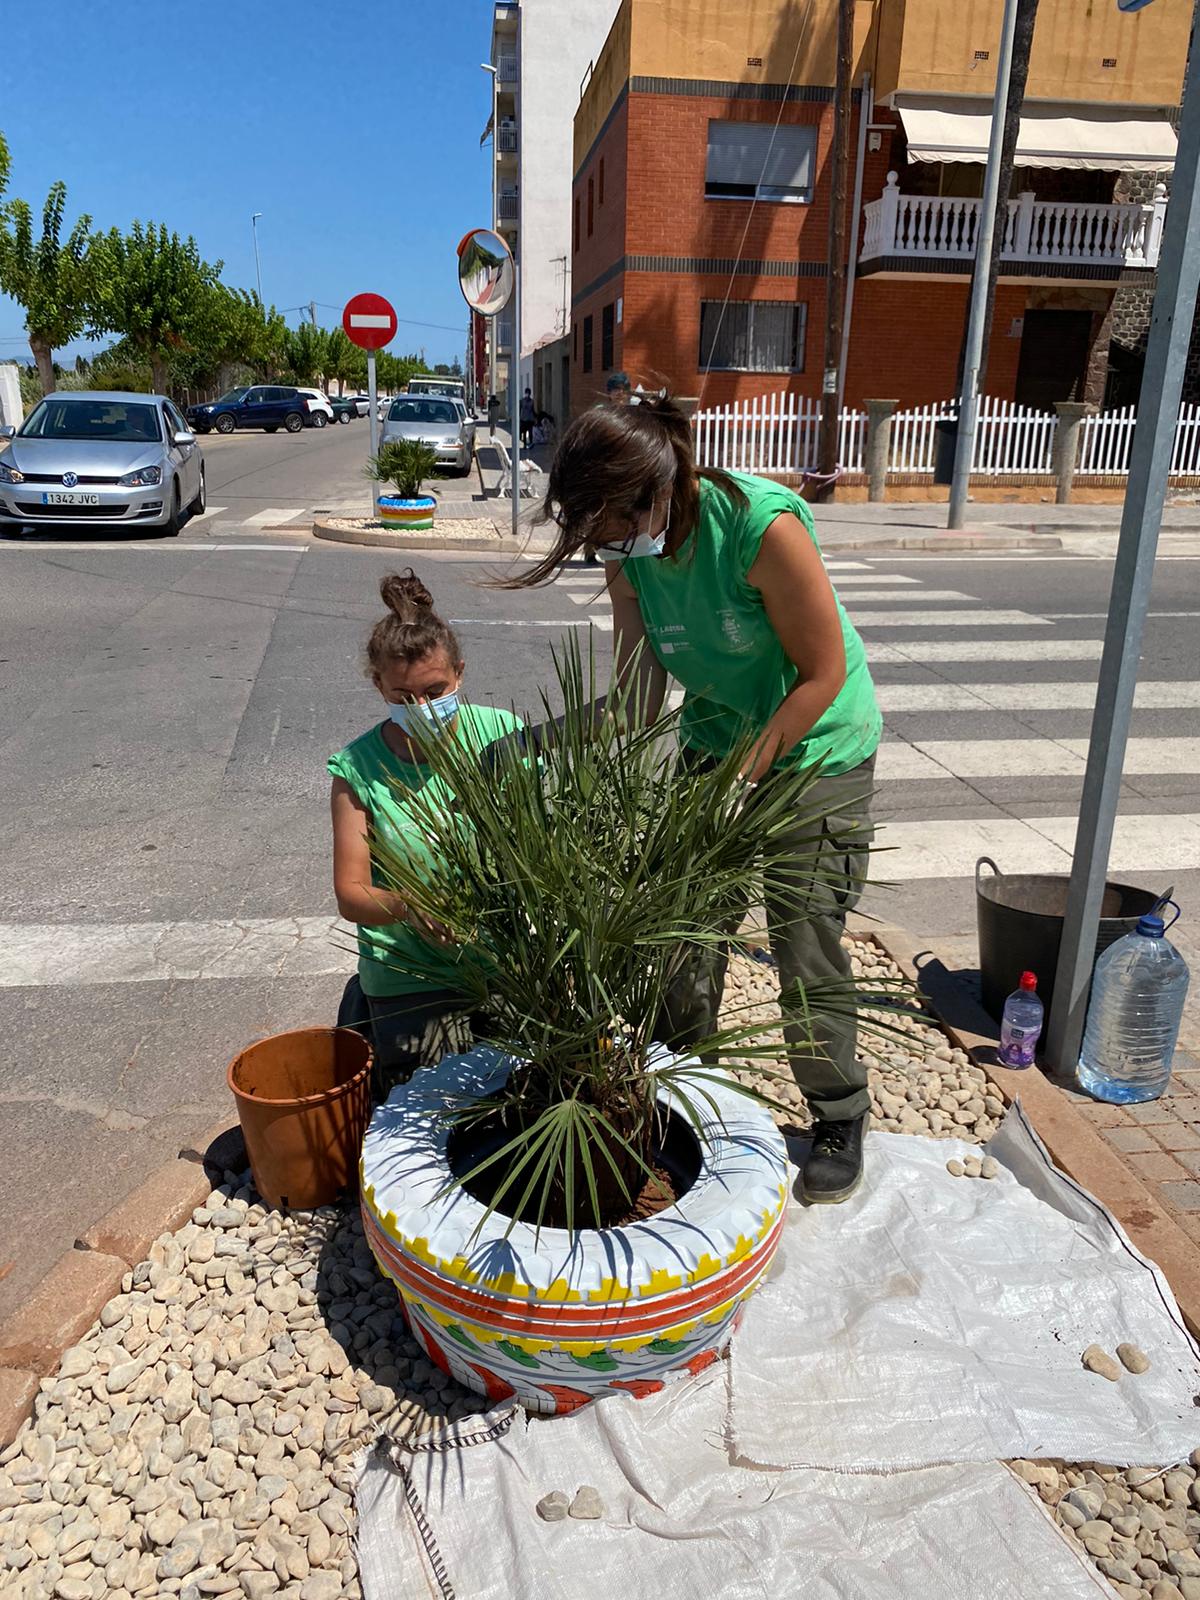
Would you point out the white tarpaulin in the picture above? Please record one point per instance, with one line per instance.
(939, 1319)
(908, 1338)
(683, 1524)
(1105, 139)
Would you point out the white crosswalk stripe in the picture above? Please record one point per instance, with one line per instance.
(274, 515)
(896, 698)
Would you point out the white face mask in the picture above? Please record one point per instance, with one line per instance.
(637, 545)
(426, 716)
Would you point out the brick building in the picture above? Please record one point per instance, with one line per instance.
(702, 192)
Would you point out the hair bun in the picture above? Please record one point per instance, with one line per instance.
(404, 593)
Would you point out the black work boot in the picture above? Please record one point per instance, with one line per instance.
(834, 1167)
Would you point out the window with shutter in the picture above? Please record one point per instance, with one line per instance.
(606, 336)
(587, 344)
(752, 335)
(758, 161)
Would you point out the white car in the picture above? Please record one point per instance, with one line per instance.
(320, 412)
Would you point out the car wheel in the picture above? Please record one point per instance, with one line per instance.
(170, 528)
(226, 424)
(345, 417)
(319, 419)
(196, 509)
(293, 422)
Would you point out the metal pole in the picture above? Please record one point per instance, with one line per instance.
(866, 104)
(827, 449)
(968, 403)
(515, 405)
(257, 265)
(1133, 573)
(373, 422)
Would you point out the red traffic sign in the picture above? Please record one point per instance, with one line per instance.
(369, 321)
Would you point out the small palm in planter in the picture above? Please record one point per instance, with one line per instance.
(404, 463)
(571, 1208)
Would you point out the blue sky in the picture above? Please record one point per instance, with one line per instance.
(352, 125)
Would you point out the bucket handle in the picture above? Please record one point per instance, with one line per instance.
(985, 861)
(1165, 900)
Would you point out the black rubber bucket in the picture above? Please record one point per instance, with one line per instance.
(1019, 917)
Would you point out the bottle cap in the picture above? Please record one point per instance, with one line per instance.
(1151, 926)
(1029, 980)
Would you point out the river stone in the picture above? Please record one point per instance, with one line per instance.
(122, 1374)
(1133, 1359)
(1098, 1361)
(587, 1504)
(1184, 1563)
(1088, 1501)
(321, 1586)
(554, 1507)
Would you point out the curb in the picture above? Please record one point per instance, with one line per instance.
(416, 541)
(1070, 1138)
(946, 541)
(63, 1306)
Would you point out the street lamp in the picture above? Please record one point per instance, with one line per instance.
(493, 330)
(257, 268)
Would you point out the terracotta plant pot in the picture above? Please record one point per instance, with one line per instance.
(556, 1316)
(407, 514)
(303, 1100)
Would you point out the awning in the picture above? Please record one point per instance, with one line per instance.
(1090, 139)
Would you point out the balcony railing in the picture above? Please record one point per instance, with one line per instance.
(504, 336)
(925, 226)
(506, 141)
(506, 70)
(508, 208)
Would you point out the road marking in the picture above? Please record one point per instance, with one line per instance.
(273, 515)
(1054, 758)
(834, 564)
(214, 511)
(904, 697)
(905, 597)
(602, 623)
(950, 849)
(982, 618)
(158, 952)
(920, 652)
(1092, 616)
(166, 546)
(846, 580)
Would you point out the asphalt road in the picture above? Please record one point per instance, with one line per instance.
(166, 712)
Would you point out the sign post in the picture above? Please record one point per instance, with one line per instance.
(487, 276)
(370, 322)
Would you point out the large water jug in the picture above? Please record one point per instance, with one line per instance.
(1133, 1020)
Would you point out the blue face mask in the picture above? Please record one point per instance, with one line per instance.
(426, 716)
(637, 545)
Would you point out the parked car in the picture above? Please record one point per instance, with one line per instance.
(468, 417)
(270, 406)
(94, 459)
(344, 408)
(437, 421)
(363, 403)
(320, 411)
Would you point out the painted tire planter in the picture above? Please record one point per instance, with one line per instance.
(407, 514)
(558, 1318)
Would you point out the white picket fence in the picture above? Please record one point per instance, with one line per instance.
(779, 432)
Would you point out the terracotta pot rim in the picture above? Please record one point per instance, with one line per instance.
(323, 1097)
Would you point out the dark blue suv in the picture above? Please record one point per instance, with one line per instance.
(267, 405)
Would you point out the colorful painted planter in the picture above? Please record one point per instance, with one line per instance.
(407, 514)
(554, 1317)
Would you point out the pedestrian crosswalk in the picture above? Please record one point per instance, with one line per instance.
(987, 712)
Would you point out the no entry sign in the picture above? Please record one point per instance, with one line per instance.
(369, 321)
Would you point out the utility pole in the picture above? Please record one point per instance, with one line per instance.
(835, 287)
(1012, 71)
(312, 311)
(1133, 573)
(257, 266)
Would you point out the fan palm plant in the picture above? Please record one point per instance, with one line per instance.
(576, 879)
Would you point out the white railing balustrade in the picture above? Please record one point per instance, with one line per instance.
(947, 226)
(779, 433)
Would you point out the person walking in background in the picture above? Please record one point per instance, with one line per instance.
(493, 416)
(415, 662)
(617, 388)
(717, 579)
(528, 417)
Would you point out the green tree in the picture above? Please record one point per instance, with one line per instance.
(306, 352)
(342, 359)
(49, 279)
(154, 289)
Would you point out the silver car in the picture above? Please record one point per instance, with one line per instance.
(98, 459)
(436, 422)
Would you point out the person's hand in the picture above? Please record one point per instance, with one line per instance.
(429, 928)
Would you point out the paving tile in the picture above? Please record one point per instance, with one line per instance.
(1183, 1196)
(1156, 1167)
(1101, 1115)
(1191, 1160)
(1184, 1137)
(1150, 1111)
(1190, 1225)
(1130, 1140)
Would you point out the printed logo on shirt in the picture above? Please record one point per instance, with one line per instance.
(732, 629)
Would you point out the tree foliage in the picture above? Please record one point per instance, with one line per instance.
(306, 352)
(51, 279)
(155, 289)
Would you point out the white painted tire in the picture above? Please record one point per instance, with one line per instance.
(554, 1317)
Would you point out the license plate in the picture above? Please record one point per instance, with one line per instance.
(56, 499)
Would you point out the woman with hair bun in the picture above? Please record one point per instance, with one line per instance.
(414, 660)
(716, 579)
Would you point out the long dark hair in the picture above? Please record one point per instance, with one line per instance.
(612, 462)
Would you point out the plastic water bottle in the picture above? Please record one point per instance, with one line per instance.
(1133, 1020)
(1021, 1025)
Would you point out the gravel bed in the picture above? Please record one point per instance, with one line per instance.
(200, 1440)
(443, 527)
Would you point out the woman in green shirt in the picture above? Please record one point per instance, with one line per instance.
(414, 660)
(720, 575)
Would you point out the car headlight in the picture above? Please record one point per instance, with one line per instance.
(10, 474)
(143, 478)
